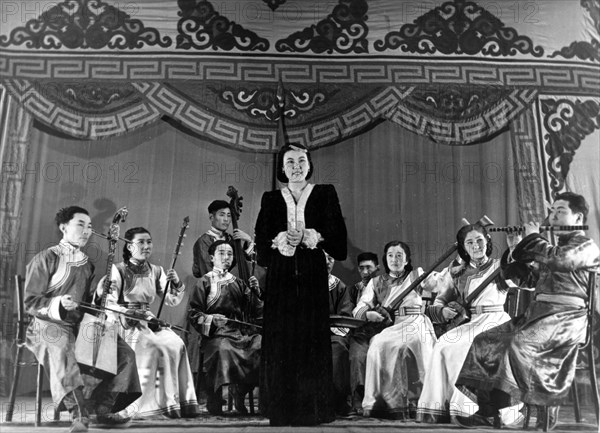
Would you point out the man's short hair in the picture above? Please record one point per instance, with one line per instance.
(217, 205)
(366, 256)
(64, 215)
(577, 203)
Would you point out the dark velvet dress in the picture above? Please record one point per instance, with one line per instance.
(296, 366)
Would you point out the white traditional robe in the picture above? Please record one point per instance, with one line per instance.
(162, 360)
(439, 399)
(397, 358)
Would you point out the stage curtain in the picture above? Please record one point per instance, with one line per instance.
(15, 125)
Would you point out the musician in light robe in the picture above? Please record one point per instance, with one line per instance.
(368, 266)
(532, 358)
(340, 304)
(57, 280)
(398, 355)
(231, 350)
(455, 284)
(162, 361)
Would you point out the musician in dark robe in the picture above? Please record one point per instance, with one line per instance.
(340, 304)
(368, 266)
(57, 280)
(532, 358)
(295, 224)
(219, 214)
(231, 351)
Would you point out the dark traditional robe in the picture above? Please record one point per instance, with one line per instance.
(52, 273)
(340, 304)
(532, 358)
(296, 358)
(231, 353)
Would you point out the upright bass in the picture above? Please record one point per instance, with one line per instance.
(97, 335)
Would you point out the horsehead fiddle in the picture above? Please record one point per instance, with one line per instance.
(184, 226)
(96, 333)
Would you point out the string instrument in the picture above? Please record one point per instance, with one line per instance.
(546, 228)
(96, 334)
(176, 252)
(464, 309)
(345, 322)
(151, 320)
(235, 205)
(393, 306)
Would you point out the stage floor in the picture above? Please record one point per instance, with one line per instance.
(24, 416)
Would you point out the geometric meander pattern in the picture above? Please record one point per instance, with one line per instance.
(548, 77)
(159, 99)
(81, 125)
(470, 130)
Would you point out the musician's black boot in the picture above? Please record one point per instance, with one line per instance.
(214, 402)
(239, 395)
(106, 417)
(79, 413)
(474, 421)
(541, 417)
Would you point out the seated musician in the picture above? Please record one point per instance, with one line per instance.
(368, 266)
(57, 280)
(231, 350)
(219, 214)
(162, 360)
(340, 304)
(532, 357)
(398, 356)
(453, 286)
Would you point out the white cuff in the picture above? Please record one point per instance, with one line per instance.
(54, 308)
(205, 320)
(280, 243)
(311, 238)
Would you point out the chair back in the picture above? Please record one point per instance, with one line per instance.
(22, 318)
(591, 302)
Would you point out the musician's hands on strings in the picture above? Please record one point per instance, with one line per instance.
(140, 314)
(68, 303)
(374, 316)
(241, 235)
(449, 313)
(219, 320)
(294, 237)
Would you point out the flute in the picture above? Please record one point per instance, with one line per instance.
(548, 228)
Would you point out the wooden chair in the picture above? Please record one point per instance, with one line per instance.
(22, 322)
(201, 386)
(586, 347)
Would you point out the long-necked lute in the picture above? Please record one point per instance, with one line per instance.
(96, 344)
(184, 226)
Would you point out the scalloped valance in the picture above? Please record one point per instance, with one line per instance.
(457, 72)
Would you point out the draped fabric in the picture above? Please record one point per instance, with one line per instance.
(456, 71)
(14, 146)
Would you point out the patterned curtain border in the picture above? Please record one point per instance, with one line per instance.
(158, 100)
(15, 124)
(467, 131)
(78, 124)
(530, 184)
(565, 122)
